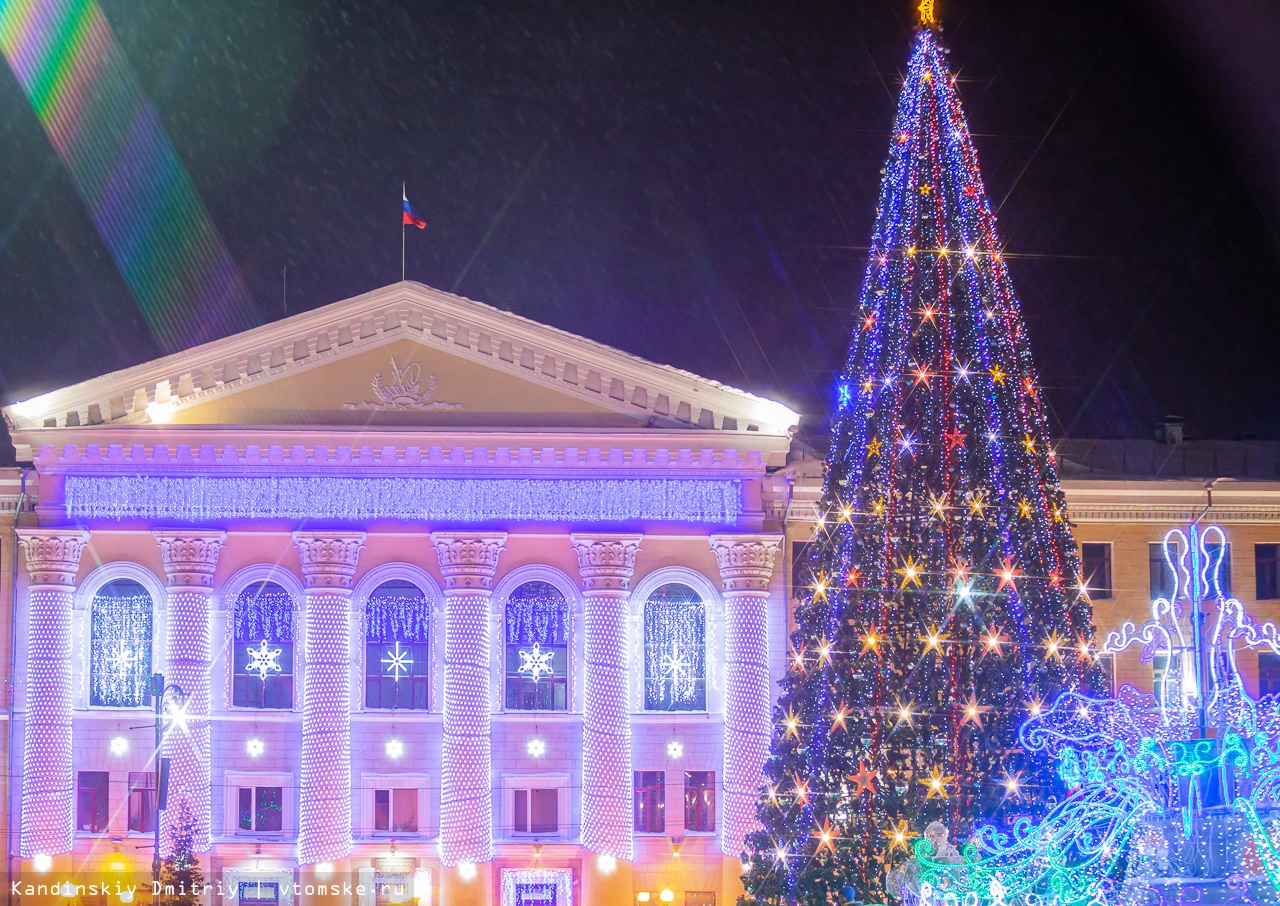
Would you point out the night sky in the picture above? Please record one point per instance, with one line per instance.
(695, 182)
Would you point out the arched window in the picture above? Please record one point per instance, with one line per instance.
(537, 656)
(675, 650)
(120, 649)
(397, 654)
(262, 675)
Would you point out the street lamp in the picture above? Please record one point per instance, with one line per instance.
(162, 696)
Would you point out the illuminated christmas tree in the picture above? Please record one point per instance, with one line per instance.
(946, 604)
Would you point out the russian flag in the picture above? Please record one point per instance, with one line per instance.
(410, 216)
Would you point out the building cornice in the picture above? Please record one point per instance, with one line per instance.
(506, 342)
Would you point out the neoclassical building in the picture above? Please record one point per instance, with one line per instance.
(446, 601)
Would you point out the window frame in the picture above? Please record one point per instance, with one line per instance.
(550, 781)
(370, 783)
(294, 649)
(148, 814)
(505, 647)
(1273, 562)
(100, 799)
(661, 805)
(712, 812)
(369, 586)
(1108, 564)
(234, 781)
(113, 573)
(704, 680)
(1269, 668)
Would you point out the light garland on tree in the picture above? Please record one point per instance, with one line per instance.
(1143, 771)
(206, 498)
(945, 599)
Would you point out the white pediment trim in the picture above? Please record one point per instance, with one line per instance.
(507, 342)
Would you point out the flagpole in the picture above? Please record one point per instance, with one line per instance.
(403, 194)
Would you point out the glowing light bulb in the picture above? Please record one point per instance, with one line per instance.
(395, 749)
(119, 746)
(536, 747)
(606, 864)
(675, 749)
(667, 895)
(255, 747)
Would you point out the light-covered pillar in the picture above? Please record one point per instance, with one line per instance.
(746, 566)
(48, 781)
(606, 563)
(190, 558)
(324, 819)
(467, 564)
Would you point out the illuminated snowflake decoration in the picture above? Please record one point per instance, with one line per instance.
(536, 662)
(675, 749)
(536, 747)
(674, 665)
(264, 660)
(121, 660)
(398, 662)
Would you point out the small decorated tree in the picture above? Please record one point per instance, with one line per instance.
(181, 881)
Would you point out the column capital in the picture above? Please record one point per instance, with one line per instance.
(190, 556)
(329, 558)
(468, 560)
(606, 561)
(745, 561)
(52, 555)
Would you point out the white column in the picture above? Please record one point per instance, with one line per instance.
(467, 564)
(606, 563)
(746, 566)
(324, 819)
(190, 558)
(48, 780)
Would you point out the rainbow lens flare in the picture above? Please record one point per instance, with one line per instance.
(109, 137)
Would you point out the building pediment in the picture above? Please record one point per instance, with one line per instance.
(404, 355)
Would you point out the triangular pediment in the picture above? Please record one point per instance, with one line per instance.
(404, 355)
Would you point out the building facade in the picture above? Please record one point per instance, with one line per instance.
(1123, 498)
(449, 606)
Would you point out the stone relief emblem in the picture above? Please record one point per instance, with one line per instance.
(404, 392)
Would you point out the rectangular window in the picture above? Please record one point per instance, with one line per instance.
(1224, 572)
(259, 893)
(1095, 561)
(397, 675)
(261, 809)
(536, 811)
(801, 577)
(1268, 674)
(700, 898)
(1159, 674)
(256, 683)
(700, 800)
(1266, 562)
(1107, 664)
(1161, 574)
(93, 801)
(650, 802)
(395, 810)
(142, 801)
